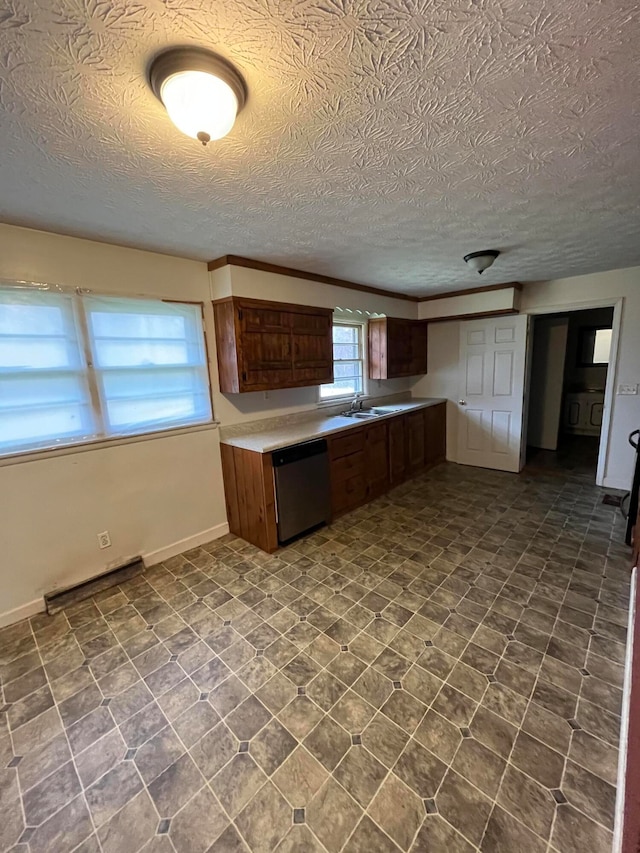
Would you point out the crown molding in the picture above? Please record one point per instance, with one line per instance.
(250, 263)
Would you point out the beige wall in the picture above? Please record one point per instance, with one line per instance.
(505, 299)
(155, 496)
(162, 495)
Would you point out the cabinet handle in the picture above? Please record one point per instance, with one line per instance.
(462, 402)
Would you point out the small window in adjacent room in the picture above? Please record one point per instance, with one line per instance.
(76, 369)
(348, 362)
(594, 346)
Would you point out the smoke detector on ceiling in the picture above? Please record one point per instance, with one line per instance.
(481, 261)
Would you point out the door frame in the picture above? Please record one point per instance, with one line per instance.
(609, 390)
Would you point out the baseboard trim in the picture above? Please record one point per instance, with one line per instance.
(153, 557)
(22, 612)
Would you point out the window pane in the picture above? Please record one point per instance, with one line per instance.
(44, 389)
(602, 346)
(347, 362)
(341, 351)
(151, 362)
(345, 334)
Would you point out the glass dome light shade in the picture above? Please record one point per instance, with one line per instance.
(201, 91)
(199, 103)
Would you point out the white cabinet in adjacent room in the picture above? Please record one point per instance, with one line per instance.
(583, 412)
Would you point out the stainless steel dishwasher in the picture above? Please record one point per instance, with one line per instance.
(303, 490)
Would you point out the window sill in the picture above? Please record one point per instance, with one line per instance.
(101, 444)
(340, 401)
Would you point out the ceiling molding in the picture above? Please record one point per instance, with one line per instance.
(499, 312)
(510, 284)
(239, 261)
(250, 263)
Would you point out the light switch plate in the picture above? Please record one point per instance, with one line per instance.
(627, 389)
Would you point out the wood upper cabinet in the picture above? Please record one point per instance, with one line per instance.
(267, 345)
(311, 336)
(265, 351)
(397, 347)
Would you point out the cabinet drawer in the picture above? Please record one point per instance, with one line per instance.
(344, 445)
(347, 466)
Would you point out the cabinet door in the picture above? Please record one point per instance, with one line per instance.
(397, 450)
(398, 348)
(415, 440)
(348, 493)
(265, 348)
(376, 451)
(312, 348)
(418, 348)
(435, 433)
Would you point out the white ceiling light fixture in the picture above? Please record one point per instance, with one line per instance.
(201, 91)
(481, 261)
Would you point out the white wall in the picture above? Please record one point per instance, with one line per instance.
(151, 495)
(256, 284)
(582, 291)
(545, 297)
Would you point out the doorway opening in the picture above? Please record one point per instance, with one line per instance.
(569, 367)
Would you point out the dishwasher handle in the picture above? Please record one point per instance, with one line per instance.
(287, 455)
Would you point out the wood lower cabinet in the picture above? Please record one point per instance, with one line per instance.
(376, 460)
(364, 463)
(397, 450)
(262, 346)
(347, 468)
(415, 434)
(397, 347)
(435, 434)
(250, 496)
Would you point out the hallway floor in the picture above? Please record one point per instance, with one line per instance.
(438, 671)
(577, 455)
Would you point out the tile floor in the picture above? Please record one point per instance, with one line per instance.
(438, 671)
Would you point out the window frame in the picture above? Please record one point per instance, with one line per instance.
(362, 327)
(101, 437)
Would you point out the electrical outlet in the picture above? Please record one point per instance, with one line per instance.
(104, 540)
(627, 389)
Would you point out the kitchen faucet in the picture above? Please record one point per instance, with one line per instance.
(356, 403)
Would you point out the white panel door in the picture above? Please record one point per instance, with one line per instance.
(492, 380)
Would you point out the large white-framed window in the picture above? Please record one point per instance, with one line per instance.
(76, 368)
(348, 361)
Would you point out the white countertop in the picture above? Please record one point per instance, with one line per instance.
(318, 426)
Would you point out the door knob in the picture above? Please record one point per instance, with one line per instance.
(462, 402)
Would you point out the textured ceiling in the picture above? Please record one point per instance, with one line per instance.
(382, 139)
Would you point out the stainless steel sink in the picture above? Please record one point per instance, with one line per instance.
(362, 415)
(373, 412)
